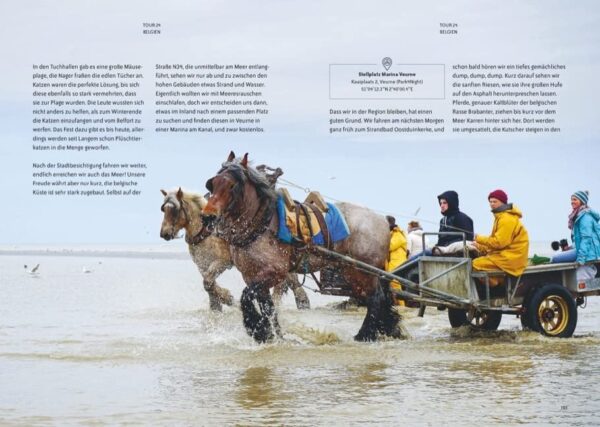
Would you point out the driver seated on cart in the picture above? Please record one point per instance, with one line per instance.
(507, 247)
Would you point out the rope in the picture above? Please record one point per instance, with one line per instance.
(308, 287)
(316, 291)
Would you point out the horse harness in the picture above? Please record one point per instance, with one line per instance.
(199, 237)
(257, 226)
(305, 248)
(303, 208)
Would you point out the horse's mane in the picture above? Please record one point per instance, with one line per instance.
(264, 188)
(194, 199)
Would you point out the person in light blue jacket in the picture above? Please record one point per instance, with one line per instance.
(583, 221)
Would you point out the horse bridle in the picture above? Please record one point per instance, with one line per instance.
(201, 235)
(169, 200)
(260, 221)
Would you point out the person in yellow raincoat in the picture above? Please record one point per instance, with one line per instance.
(398, 252)
(507, 248)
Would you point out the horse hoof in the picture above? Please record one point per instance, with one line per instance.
(399, 334)
(303, 305)
(227, 299)
(302, 301)
(215, 304)
(216, 308)
(261, 337)
(362, 337)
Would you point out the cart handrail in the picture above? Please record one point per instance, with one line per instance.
(382, 273)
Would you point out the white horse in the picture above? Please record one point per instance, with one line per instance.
(182, 210)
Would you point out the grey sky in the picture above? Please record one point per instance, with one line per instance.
(299, 40)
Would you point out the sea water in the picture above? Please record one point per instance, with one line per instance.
(125, 336)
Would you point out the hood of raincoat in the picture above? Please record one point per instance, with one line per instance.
(591, 212)
(452, 198)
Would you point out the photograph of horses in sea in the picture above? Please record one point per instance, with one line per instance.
(126, 335)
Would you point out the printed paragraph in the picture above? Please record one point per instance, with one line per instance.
(513, 98)
(85, 107)
(87, 179)
(211, 98)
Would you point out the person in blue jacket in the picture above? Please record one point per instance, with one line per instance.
(583, 221)
(453, 219)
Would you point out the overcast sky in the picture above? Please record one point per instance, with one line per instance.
(299, 39)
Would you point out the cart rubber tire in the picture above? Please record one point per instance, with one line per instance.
(457, 317)
(487, 320)
(552, 311)
(525, 323)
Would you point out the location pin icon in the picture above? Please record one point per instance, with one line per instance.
(387, 63)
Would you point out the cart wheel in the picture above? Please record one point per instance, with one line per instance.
(552, 311)
(525, 322)
(457, 317)
(486, 320)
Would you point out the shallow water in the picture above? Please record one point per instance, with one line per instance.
(133, 342)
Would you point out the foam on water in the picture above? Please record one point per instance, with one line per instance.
(312, 335)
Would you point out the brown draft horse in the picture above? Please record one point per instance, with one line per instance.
(242, 208)
(182, 210)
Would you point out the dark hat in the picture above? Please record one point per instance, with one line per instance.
(391, 220)
(500, 195)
